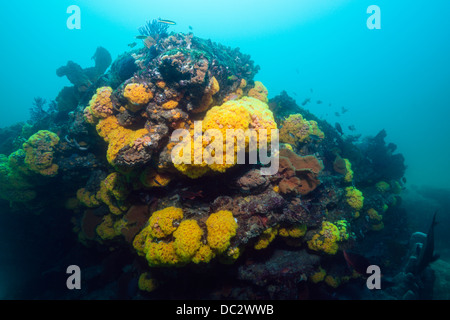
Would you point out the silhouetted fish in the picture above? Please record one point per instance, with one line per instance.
(190, 28)
(306, 101)
(426, 255)
(132, 45)
(337, 114)
(351, 127)
(319, 102)
(343, 110)
(338, 128)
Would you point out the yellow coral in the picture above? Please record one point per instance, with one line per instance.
(117, 136)
(332, 281)
(348, 172)
(318, 276)
(187, 239)
(113, 191)
(162, 254)
(39, 149)
(355, 198)
(295, 129)
(106, 229)
(295, 231)
(204, 254)
(146, 283)
(171, 104)
(161, 222)
(100, 106)
(374, 215)
(239, 115)
(137, 95)
(266, 238)
(141, 239)
(382, 186)
(87, 198)
(259, 91)
(221, 227)
(326, 239)
(151, 178)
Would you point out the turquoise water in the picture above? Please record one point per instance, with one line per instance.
(396, 78)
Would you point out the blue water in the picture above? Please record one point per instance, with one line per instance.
(396, 78)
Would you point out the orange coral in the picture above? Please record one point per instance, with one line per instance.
(117, 136)
(100, 106)
(137, 95)
(259, 91)
(299, 173)
(171, 104)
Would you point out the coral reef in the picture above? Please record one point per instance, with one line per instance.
(107, 154)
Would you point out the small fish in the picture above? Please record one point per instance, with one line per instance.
(170, 22)
(319, 102)
(337, 114)
(141, 37)
(232, 78)
(306, 101)
(191, 195)
(351, 127)
(190, 28)
(343, 110)
(157, 182)
(292, 135)
(329, 104)
(132, 45)
(338, 128)
(404, 180)
(314, 138)
(311, 90)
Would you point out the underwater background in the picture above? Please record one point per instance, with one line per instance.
(396, 78)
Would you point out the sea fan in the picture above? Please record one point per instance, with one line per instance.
(154, 29)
